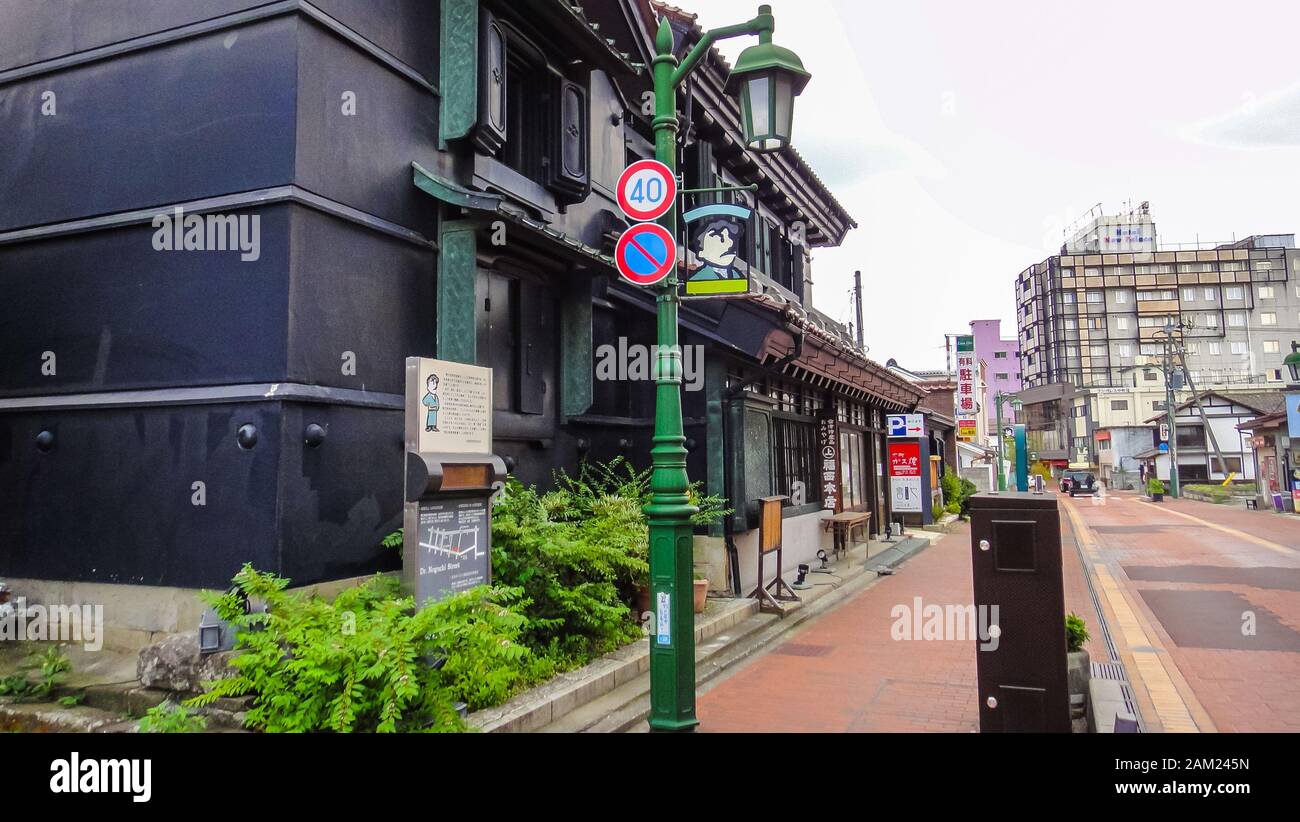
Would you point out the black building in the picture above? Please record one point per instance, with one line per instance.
(181, 392)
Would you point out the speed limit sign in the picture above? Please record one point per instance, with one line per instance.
(646, 190)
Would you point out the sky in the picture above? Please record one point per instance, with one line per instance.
(963, 138)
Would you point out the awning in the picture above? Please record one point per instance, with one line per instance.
(455, 194)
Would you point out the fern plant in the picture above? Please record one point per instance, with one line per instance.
(170, 718)
(368, 660)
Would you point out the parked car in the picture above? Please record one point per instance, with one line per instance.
(1078, 482)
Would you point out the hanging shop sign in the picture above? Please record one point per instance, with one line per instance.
(716, 235)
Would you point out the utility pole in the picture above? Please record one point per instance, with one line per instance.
(1169, 411)
(1205, 419)
(857, 302)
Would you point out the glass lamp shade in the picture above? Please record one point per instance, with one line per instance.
(766, 80)
(1292, 363)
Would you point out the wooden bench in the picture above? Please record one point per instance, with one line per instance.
(842, 525)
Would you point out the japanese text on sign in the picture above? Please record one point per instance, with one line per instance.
(965, 402)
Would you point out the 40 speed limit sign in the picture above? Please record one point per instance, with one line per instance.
(646, 190)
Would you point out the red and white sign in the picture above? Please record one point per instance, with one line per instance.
(645, 253)
(646, 190)
(905, 459)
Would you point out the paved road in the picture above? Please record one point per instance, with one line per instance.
(1203, 603)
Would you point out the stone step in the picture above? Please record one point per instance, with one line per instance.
(551, 700)
(595, 713)
(51, 717)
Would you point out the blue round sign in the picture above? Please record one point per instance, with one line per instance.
(645, 253)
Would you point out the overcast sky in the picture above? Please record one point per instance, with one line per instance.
(963, 137)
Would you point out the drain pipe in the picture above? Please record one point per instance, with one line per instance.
(728, 396)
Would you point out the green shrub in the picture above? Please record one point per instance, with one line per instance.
(577, 573)
(170, 718)
(365, 661)
(565, 563)
(580, 553)
(1155, 486)
(957, 491)
(1076, 632)
(50, 668)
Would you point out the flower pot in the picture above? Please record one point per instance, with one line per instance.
(1078, 672)
(701, 595)
(1157, 497)
(642, 600)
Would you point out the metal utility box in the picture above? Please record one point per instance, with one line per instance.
(1016, 568)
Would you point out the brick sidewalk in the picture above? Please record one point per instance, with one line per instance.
(843, 671)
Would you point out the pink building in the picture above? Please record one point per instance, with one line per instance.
(1001, 356)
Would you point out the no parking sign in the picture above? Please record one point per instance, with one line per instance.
(645, 253)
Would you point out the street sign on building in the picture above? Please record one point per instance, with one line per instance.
(965, 402)
(905, 425)
(905, 476)
(828, 438)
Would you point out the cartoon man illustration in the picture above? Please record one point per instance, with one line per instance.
(715, 243)
(431, 402)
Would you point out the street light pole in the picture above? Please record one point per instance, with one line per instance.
(1002, 441)
(1169, 411)
(672, 648)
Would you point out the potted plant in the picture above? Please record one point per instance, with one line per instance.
(1077, 666)
(1156, 489)
(701, 591)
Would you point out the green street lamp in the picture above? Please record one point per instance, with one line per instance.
(766, 79)
(771, 77)
(1292, 362)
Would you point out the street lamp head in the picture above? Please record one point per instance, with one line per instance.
(1292, 362)
(766, 79)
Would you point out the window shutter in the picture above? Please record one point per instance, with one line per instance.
(491, 132)
(567, 171)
